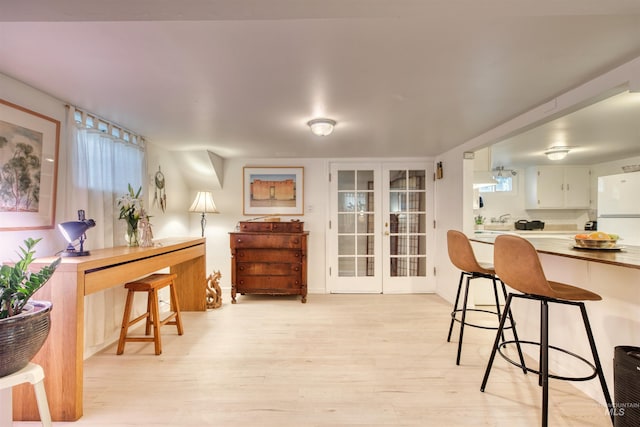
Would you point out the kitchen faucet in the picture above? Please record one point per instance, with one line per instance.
(504, 218)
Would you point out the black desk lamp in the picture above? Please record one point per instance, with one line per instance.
(75, 230)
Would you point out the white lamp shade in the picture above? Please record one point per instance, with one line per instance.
(203, 203)
(321, 127)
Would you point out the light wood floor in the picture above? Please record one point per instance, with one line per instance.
(339, 360)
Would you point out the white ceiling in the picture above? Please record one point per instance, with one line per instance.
(241, 78)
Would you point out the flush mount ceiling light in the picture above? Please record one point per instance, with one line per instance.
(557, 152)
(321, 127)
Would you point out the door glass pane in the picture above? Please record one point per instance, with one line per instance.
(397, 201)
(416, 180)
(346, 180)
(397, 179)
(365, 180)
(346, 223)
(346, 267)
(346, 245)
(418, 266)
(346, 202)
(365, 266)
(365, 223)
(365, 245)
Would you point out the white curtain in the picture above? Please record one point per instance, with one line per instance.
(100, 169)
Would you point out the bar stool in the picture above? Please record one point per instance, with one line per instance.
(517, 263)
(150, 284)
(32, 373)
(462, 256)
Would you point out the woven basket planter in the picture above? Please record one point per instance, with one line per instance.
(22, 336)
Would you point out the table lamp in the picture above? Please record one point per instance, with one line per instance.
(203, 203)
(75, 230)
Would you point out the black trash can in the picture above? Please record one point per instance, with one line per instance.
(626, 372)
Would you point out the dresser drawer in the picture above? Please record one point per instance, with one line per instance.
(247, 284)
(266, 255)
(272, 241)
(272, 226)
(267, 269)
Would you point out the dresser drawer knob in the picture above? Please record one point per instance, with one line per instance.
(239, 240)
(241, 268)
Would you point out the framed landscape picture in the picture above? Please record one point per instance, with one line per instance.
(273, 191)
(28, 168)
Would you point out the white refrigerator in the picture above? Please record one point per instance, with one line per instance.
(619, 206)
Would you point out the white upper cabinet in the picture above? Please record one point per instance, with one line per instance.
(557, 187)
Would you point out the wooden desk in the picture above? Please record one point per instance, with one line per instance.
(62, 354)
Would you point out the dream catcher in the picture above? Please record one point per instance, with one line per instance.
(160, 198)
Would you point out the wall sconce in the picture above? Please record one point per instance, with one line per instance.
(321, 127)
(75, 230)
(203, 203)
(557, 152)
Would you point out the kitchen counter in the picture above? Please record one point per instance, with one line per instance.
(629, 256)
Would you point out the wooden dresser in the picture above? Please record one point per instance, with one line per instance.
(269, 258)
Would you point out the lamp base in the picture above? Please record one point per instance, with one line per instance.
(74, 253)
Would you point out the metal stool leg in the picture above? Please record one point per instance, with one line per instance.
(596, 360)
(455, 306)
(513, 330)
(464, 318)
(544, 360)
(496, 343)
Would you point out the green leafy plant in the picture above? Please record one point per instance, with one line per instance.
(18, 284)
(479, 219)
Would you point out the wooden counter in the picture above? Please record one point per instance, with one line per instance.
(62, 354)
(629, 256)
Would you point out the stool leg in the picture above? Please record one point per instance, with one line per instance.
(43, 405)
(464, 316)
(544, 361)
(147, 324)
(513, 330)
(455, 306)
(6, 407)
(176, 304)
(155, 312)
(495, 295)
(125, 322)
(507, 308)
(596, 359)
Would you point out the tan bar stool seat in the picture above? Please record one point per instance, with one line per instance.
(518, 265)
(150, 284)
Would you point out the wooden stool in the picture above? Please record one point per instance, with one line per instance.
(150, 284)
(33, 374)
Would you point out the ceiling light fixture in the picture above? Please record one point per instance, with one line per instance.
(321, 127)
(557, 152)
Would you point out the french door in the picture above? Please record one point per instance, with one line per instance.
(377, 239)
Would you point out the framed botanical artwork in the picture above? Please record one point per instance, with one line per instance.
(273, 191)
(28, 168)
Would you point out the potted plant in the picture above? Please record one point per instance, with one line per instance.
(24, 323)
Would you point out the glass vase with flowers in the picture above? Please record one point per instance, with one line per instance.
(130, 205)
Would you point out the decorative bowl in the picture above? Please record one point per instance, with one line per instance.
(596, 244)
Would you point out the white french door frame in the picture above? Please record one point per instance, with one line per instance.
(378, 278)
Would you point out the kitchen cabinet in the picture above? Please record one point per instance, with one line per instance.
(557, 187)
(269, 258)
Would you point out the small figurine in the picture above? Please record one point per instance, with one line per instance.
(146, 234)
